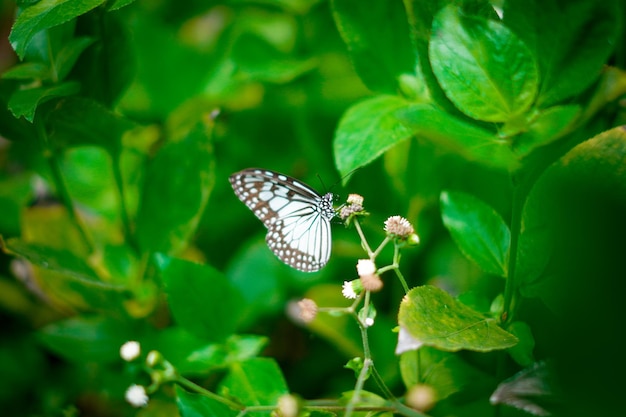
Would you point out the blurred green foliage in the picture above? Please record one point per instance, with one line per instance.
(494, 130)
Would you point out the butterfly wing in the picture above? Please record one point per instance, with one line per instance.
(297, 218)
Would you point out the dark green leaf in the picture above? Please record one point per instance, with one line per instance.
(487, 72)
(367, 130)
(377, 35)
(255, 382)
(522, 353)
(446, 372)
(478, 230)
(571, 41)
(43, 15)
(237, 348)
(202, 300)
(87, 339)
(67, 57)
(118, 4)
(196, 405)
(176, 190)
(433, 318)
(79, 121)
(24, 103)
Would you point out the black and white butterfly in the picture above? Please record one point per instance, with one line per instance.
(296, 216)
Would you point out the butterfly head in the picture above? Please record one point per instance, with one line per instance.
(326, 206)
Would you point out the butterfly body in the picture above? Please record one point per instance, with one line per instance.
(296, 216)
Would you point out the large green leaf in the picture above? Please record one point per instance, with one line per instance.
(201, 299)
(433, 318)
(43, 15)
(80, 121)
(378, 39)
(176, 190)
(367, 130)
(87, 339)
(483, 67)
(458, 135)
(24, 103)
(196, 405)
(255, 382)
(478, 230)
(571, 40)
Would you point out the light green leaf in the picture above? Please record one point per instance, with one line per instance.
(367, 130)
(255, 382)
(28, 71)
(478, 230)
(196, 405)
(43, 15)
(433, 318)
(548, 126)
(482, 66)
(522, 353)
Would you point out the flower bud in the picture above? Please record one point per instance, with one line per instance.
(130, 350)
(136, 396)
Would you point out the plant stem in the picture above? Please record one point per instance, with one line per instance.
(59, 182)
(366, 246)
(396, 262)
(119, 185)
(184, 382)
(510, 288)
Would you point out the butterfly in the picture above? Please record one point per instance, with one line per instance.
(296, 216)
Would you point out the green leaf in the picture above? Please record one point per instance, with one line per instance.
(87, 339)
(457, 135)
(67, 57)
(65, 277)
(478, 230)
(202, 300)
(43, 15)
(482, 66)
(377, 35)
(78, 121)
(28, 71)
(260, 60)
(196, 405)
(176, 189)
(237, 348)
(571, 41)
(367, 130)
(118, 4)
(255, 382)
(24, 103)
(549, 125)
(522, 353)
(446, 372)
(433, 318)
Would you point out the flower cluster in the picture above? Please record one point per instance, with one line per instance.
(353, 207)
(400, 228)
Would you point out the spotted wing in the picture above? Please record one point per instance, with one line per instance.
(297, 217)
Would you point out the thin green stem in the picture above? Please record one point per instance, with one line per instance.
(61, 187)
(366, 246)
(380, 247)
(511, 281)
(185, 383)
(119, 184)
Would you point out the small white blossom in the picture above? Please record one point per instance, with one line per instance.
(130, 350)
(365, 267)
(369, 322)
(136, 396)
(355, 199)
(399, 226)
(348, 290)
(308, 310)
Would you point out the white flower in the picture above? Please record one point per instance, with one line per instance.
(348, 290)
(136, 396)
(399, 226)
(355, 199)
(308, 310)
(130, 350)
(369, 322)
(365, 267)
